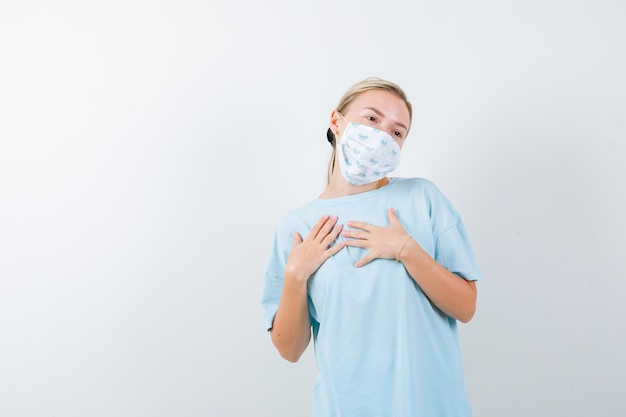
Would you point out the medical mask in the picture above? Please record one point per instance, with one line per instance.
(366, 154)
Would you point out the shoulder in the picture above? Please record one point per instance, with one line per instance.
(431, 196)
(295, 218)
(417, 185)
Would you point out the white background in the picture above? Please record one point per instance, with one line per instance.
(148, 149)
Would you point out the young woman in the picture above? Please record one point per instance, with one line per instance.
(379, 269)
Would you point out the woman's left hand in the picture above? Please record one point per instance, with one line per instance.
(381, 242)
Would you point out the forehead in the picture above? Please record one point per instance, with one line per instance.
(384, 101)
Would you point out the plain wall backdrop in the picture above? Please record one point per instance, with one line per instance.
(148, 150)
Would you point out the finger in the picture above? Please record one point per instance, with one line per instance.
(327, 228)
(330, 237)
(359, 243)
(393, 217)
(335, 248)
(355, 234)
(318, 226)
(367, 259)
(361, 225)
(297, 239)
(394, 221)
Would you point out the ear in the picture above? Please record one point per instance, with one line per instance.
(334, 123)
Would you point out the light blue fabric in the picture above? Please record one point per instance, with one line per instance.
(382, 349)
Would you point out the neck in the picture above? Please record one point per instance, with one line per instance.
(339, 187)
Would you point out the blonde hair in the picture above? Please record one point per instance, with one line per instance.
(371, 83)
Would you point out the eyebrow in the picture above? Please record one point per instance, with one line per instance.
(378, 112)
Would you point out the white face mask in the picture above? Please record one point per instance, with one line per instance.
(366, 154)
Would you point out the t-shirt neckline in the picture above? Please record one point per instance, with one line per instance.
(354, 197)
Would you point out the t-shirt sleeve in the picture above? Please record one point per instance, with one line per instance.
(453, 251)
(273, 280)
(275, 268)
(452, 246)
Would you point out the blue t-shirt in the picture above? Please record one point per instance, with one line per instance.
(382, 348)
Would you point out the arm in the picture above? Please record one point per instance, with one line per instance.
(450, 293)
(291, 330)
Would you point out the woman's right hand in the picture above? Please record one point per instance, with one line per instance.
(308, 254)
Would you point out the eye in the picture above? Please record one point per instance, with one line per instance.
(397, 134)
(371, 118)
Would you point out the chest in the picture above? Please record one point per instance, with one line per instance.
(340, 288)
